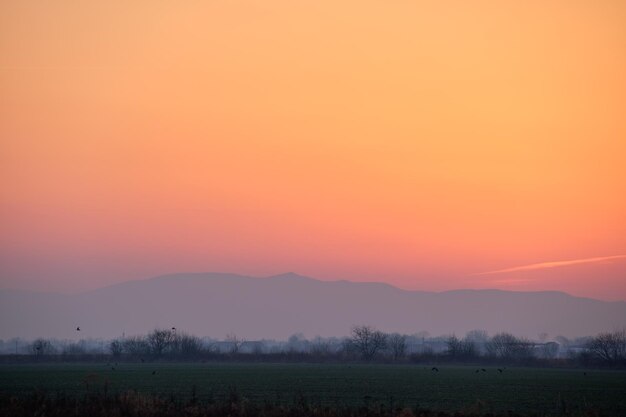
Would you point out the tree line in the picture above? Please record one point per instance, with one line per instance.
(365, 343)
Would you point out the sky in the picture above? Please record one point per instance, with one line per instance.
(432, 145)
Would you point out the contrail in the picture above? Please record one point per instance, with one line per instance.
(553, 264)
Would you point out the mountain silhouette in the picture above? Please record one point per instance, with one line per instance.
(214, 304)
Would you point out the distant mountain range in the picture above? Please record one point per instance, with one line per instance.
(213, 304)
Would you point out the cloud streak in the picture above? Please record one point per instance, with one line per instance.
(552, 264)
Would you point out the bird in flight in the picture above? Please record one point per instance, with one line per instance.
(78, 329)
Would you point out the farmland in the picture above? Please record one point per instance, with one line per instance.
(523, 390)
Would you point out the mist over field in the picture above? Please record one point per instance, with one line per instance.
(214, 304)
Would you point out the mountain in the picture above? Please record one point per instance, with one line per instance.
(214, 304)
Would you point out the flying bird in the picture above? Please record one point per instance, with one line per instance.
(78, 329)
(499, 370)
(435, 369)
(483, 369)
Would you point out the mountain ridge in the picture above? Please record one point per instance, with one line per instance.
(186, 275)
(276, 306)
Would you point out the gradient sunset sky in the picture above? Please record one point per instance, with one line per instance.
(433, 145)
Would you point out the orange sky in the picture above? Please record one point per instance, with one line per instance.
(414, 142)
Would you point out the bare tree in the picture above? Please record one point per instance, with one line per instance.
(116, 348)
(609, 347)
(501, 345)
(41, 347)
(258, 348)
(368, 341)
(78, 348)
(159, 340)
(296, 343)
(397, 345)
(506, 346)
(453, 346)
(136, 346)
(187, 345)
(234, 342)
(477, 336)
(479, 339)
(460, 348)
(209, 345)
(319, 347)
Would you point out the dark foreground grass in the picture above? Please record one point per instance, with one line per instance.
(133, 404)
(315, 390)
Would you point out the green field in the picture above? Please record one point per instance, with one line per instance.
(453, 388)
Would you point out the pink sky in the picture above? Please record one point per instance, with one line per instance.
(422, 144)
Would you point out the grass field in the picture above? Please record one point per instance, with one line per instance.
(453, 388)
